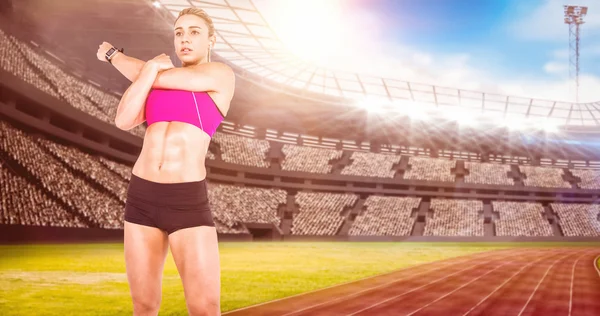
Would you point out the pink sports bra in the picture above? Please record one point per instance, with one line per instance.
(196, 108)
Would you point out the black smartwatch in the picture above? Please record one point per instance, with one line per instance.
(111, 53)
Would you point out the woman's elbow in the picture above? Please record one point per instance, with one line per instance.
(121, 124)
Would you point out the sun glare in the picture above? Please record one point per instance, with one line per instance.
(315, 30)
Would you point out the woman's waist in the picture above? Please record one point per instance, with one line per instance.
(169, 170)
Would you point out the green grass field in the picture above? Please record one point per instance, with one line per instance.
(89, 279)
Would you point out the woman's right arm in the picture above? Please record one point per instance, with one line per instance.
(130, 112)
(129, 66)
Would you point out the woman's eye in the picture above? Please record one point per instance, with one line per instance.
(178, 34)
(195, 32)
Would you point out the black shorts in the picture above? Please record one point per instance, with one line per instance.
(168, 206)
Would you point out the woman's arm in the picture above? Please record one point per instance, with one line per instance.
(129, 66)
(130, 112)
(204, 77)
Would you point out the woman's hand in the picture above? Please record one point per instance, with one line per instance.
(161, 62)
(102, 49)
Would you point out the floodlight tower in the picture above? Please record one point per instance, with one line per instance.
(574, 17)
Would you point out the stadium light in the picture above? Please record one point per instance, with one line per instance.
(574, 18)
(513, 123)
(315, 30)
(463, 117)
(374, 104)
(550, 125)
(414, 110)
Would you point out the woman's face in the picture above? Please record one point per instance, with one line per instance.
(191, 39)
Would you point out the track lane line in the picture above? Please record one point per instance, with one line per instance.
(425, 285)
(572, 281)
(345, 297)
(462, 286)
(475, 255)
(539, 283)
(504, 283)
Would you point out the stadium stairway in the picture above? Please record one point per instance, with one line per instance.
(421, 214)
(552, 218)
(488, 223)
(288, 215)
(341, 163)
(353, 212)
(401, 167)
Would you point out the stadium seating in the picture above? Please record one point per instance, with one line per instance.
(578, 219)
(21, 60)
(243, 150)
(385, 216)
(430, 169)
(521, 219)
(308, 159)
(487, 173)
(545, 177)
(119, 168)
(21, 203)
(66, 187)
(590, 179)
(233, 205)
(13, 62)
(371, 165)
(454, 218)
(320, 213)
(105, 211)
(89, 166)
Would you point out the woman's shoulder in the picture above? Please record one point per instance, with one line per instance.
(215, 67)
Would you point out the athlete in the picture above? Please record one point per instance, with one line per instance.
(167, 203)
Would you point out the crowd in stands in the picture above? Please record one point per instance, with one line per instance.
(578, 219)
(371, 165)
(487, 173)
(210, 155)
(521, 219)
(122, 170)
(73, 190)
(67, 174)
(320, 213)
(590, 179)
(21, 203)
(385, 216)
(546, 177)
(67, 187)
(243, 150)
(13, 62)
(232, 205)
(430, 169)
(89, 166)
(454, 218)
(21, 60)
(308, 159)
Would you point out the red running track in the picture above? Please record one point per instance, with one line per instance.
(520, 282)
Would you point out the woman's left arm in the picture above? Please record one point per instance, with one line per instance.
(213, 76)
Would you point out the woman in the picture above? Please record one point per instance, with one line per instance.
(167, 203)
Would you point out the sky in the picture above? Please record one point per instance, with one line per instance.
(511, 47)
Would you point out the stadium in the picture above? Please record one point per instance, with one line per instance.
(333, 192)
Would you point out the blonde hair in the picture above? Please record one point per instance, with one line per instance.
(201, 14)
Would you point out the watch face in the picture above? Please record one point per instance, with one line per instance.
(110, 51)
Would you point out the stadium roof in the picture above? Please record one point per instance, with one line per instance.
(245, 39)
